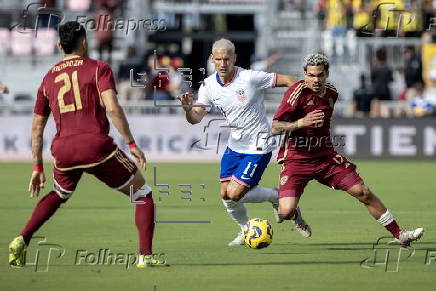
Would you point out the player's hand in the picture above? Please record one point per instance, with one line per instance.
(37, 181)
(314, 119)
(139, 156)
(4, 89)
(186, 99)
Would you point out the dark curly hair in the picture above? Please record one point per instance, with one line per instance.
(70, 34)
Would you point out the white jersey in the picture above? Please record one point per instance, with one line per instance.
(241, 102)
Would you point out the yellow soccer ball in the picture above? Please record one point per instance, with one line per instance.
(258, 233)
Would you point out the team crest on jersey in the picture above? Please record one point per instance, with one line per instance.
(310, 103)
(283, 180)
(240, 94)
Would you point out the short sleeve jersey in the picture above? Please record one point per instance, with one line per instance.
(71, 92)
(241, 103)
(312, 142)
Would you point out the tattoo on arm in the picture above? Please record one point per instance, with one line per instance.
(280, 127)
(38, 126)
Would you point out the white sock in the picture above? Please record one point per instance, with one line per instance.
(386, 218)
(237, 211)
(259, 194)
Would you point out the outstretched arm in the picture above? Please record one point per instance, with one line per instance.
(284, 81)
(193, 114)
(116, 113)
(37, 179)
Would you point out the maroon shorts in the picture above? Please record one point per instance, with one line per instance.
(332, 170)
(116, 172)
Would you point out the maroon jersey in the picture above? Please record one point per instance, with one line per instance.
(71, 91)
(306, 142)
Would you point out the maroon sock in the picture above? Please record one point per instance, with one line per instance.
(144, 219)
(42, 212)
(393, 228)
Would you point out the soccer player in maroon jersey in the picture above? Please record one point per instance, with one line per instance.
(79, 91)
(307, 151)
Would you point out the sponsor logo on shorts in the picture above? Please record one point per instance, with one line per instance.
(283, 180)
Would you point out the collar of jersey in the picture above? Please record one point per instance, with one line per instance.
(231, 80)
(71, 57)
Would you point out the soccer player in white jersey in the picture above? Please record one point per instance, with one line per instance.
(239, 95)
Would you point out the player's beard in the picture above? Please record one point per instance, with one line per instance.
(319, 88)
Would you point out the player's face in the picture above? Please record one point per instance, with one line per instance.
(316, 77)
(224, 62)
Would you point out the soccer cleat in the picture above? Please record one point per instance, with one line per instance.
(17, 252)
(408, 236)
(300, 225)
(145, 261)
(238, 241)
(275, 206)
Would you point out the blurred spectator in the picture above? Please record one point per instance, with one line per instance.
(293, 5)
(264, 64)
(429, 13)
(387, 14)
(412, 67)
(48, 17)
(321, 11)
(419, 106)
(398, 84)
(160, 79)
(179, 80)
(336, 23)
(104, 29)
(362, 22)
(430, 90)
(362, 98)
(429, 36)
(385, 18)
(381, 78)
(412, 23)
(3, 89)
(125, 89)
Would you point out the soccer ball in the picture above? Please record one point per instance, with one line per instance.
(258, 233)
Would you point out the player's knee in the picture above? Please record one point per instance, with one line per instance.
(363, 194)
(234, 195)
(286, 212)
(224, 195)
(64, 195)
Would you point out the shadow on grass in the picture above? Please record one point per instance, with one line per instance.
(274, 263)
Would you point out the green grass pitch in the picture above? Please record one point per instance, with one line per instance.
(97, 217)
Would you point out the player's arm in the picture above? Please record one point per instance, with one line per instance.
(116, 113)
(312, 119)
(38, 125)
(3, 88)
(193, 114)
(284, 81)
(37, 179)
